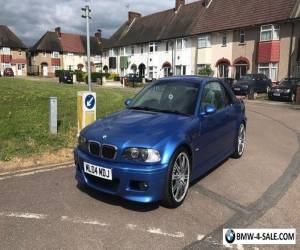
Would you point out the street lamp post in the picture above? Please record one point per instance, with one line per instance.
(86, 15)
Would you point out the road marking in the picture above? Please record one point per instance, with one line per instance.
(37, 168)
(160, 232)
(83, 221)
(200, 237)
(25, 215)
(77, 220)
(17, 174)
(131, 226)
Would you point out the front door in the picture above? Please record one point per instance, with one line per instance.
(45, 70)
(19, 69)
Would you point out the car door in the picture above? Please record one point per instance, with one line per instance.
(258, 84)
(214, 129)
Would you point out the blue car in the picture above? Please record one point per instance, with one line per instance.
(175, 130)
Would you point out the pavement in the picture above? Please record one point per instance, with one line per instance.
(44, 208)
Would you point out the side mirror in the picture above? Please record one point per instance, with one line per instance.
(128, 102)
(210, 109)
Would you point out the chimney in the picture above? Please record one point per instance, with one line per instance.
(98, 35)
(58, 32)
(178, 4)
(132, 16)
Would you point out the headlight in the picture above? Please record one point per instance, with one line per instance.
(82, 142)
(287, 91)
(142, 154)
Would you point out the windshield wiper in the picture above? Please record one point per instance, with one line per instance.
(176, 112)
(143, 108)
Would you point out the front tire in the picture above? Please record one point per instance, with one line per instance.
(178, 179)
(240, 142)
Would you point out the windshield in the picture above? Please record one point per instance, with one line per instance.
(248, 78)
(168, 97)
(288, 83)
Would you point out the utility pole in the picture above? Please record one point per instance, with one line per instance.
(86, 15)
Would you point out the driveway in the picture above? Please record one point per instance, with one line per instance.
(44, 208)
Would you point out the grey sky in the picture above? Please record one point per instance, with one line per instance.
(30, 19)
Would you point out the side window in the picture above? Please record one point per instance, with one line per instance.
(213, 94)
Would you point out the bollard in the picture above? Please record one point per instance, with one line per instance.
(53, 115)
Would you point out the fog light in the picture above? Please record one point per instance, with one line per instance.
(143, 185)
(139, 185)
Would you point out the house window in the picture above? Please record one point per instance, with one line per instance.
(128, 50)
(242, 36)
(20, 52)
(5, 51)
(178, 70)
(150, 72)
(112, 53)
(6, 65)
(269, 32)
(204, 41)
(223, 70)
(122, 51)
(167, 45)
(132, 50)
(97, 58)
(54, 68)
(269, 69)
(224, 40)
(142, 49)
(44, 54)
(70, 54)
(181, 43)
(152, 47)
(55, 54)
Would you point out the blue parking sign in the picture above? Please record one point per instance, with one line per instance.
(90, 101)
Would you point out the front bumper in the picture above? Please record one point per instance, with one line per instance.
(279, 96)
(123, 174)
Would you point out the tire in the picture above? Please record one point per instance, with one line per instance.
(177, 177)
(240, 142)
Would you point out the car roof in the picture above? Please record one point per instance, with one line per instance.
(190, 78)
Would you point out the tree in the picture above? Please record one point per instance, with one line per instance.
(206, 71)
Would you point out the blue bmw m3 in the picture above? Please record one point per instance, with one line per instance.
(175, 130)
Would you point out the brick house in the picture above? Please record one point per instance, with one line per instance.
(233, 37)
(12, 52)
(58, 50)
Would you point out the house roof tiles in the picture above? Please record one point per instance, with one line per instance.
(194, 18)
(66, 42)
(9, 39)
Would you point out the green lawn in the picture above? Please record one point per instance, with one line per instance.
(24, 115)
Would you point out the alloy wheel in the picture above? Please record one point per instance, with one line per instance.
(241, 139)
(180, 177)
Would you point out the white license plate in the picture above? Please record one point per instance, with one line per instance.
(104, 173)
(276, 94)
(237, 89)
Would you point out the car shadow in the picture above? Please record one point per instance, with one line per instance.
(118, 201)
